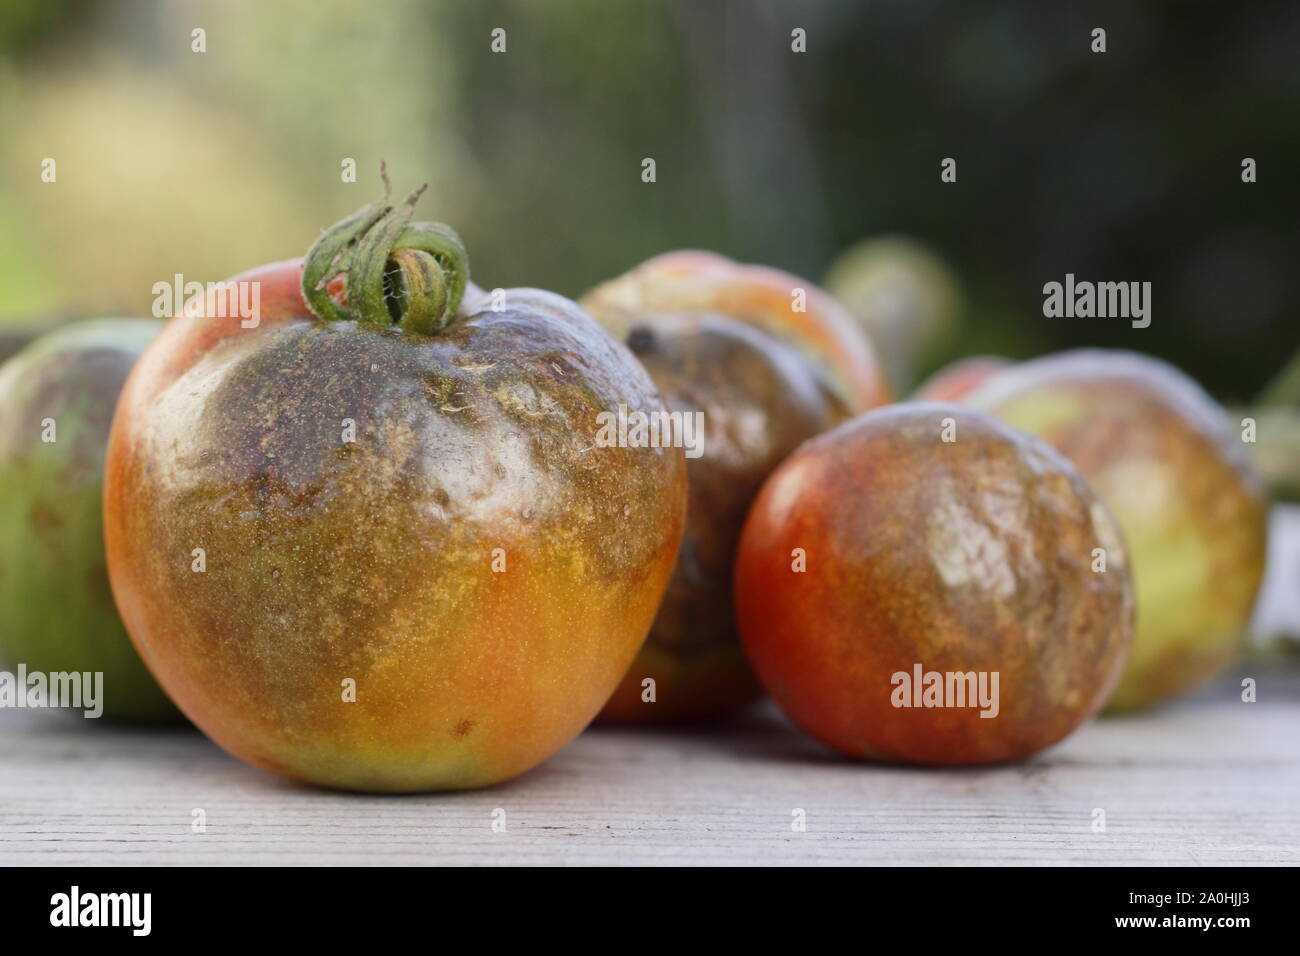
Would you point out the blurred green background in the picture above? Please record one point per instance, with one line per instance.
(1122, 166)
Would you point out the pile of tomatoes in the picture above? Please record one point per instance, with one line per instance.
(371, 540)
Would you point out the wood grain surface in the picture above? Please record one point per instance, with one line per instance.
(1210, 780)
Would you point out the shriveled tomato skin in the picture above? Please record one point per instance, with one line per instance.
(973, 555)
(781, 304)
(419, 570)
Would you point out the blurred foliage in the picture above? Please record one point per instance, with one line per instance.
(1122, 166)
(25, 24)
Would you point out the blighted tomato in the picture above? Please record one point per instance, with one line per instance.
(56, 609)
(745, 400)
(1166, 460)
(781, 304)
(372, 543)
(925, 584)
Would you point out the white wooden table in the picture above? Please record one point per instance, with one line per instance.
(1208, 780)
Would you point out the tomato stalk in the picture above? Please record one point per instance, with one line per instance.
(396, 272)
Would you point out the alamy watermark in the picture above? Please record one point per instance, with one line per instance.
(73, 690)
(657, 429)
(217, 300)
(1101, 300)
(922, 688)
(133, 911)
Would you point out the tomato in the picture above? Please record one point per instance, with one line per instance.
(372, 542)
(747, 400)
(923, 584)
(56, 405)
(907, 298)
(781, 304)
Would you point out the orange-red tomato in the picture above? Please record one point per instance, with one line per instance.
(379, 556)
(882, 553)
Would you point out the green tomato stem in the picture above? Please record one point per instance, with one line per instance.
(412, 274)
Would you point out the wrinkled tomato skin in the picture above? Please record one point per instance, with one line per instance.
(971, 555)
(471, 567)
(783, 305)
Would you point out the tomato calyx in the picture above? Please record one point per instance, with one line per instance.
(396, 272)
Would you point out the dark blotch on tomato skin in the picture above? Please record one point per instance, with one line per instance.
(498, 442)
(973, 555)
(760, 398)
